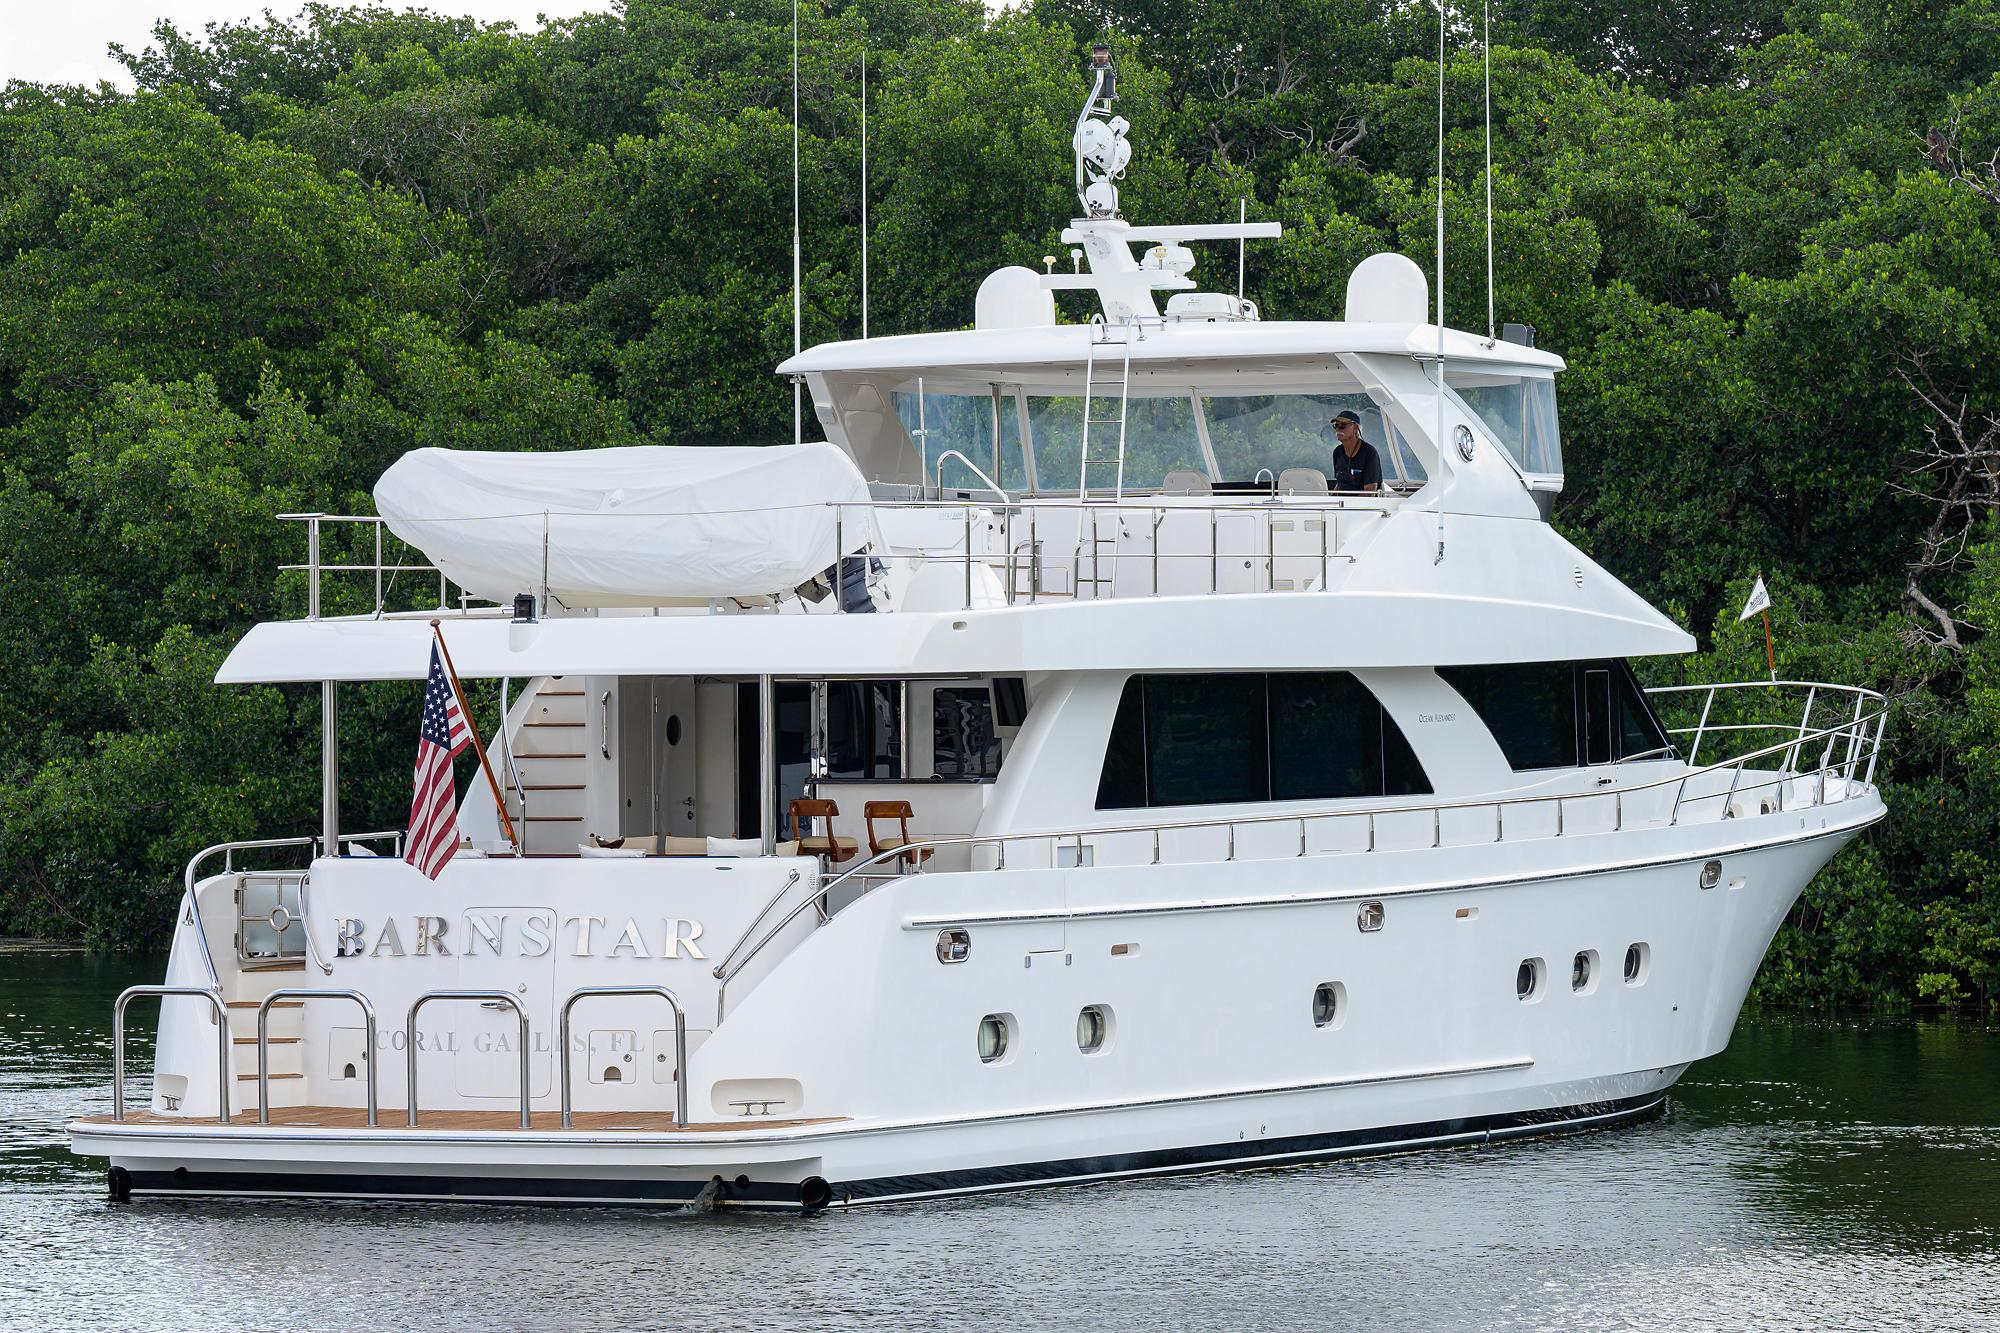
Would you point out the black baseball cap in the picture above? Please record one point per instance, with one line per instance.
(1344, 416)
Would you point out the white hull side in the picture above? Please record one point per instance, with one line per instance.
(1213, 1060)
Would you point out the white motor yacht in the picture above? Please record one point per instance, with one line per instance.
(1054, 775)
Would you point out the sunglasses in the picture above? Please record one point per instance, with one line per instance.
(1344, 425)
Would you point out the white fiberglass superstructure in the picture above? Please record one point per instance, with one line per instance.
(1049, 777)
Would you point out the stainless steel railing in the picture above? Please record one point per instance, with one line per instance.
(1863, 731)
(227, 851)
(1266, 517)
(484, 997)
(264, 1044)
(680, 1043)
(222, 1060)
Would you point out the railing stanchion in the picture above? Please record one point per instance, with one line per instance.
(1701, 726)
(264, 1040)
(222, 1061)
(680, 1045)
(485, 997)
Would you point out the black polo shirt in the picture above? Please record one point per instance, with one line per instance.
(1358, 473)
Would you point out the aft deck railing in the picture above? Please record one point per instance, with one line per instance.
(1861, 734)
(680, 1043)
(303, 993)
(221, 1016)
(191, 910)
(485, 997)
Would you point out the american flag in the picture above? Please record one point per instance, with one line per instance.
(434, 807)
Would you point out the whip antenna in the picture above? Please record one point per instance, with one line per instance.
(1487, 43)
(864, 191)
(798, 308)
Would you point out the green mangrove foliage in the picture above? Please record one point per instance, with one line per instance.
(1767, 239)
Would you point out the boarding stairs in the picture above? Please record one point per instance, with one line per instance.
(545, 783)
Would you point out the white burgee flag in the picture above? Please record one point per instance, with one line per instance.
(1760, 600)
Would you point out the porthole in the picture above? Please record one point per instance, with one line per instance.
(1583, 972)
(1368, 917)
(1711, 874)
(1638, 958)
(1528, 980)
(1093, 1028)
(954, 945)
(1329, 1008)
(995, 1036)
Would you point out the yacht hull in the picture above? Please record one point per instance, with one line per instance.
(1435, 1048)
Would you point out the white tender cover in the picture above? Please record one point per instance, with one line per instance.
(628, 527)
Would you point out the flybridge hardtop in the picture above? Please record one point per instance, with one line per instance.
(1079, 766)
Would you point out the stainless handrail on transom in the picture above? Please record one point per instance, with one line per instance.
(222, 1061)
(1856, 728)
(485, 997)
(264, 1043)
(680, 1043)
(227, 851)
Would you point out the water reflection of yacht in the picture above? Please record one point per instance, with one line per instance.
(1047, 779)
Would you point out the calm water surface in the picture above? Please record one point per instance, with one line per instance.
(1831, 1174)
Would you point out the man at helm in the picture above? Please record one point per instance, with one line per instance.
(1356, 465)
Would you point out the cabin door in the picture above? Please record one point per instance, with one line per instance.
(657, 723)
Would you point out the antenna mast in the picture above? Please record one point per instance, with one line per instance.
(798, 307)
(864, 189)
(1487, 43)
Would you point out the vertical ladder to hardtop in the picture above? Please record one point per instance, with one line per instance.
(1094, 387)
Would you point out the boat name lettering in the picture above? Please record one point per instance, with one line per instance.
(529, 935)
(1437, 717)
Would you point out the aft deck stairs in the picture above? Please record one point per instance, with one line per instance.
(545, 792)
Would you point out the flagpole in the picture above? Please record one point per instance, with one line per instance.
(499, 802)
(1770, 657)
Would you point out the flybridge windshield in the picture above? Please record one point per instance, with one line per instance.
(1224, 437)
(1520, 411)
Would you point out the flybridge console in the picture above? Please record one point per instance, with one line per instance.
(1125, 285)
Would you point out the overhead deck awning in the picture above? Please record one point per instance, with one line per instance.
(1208, 350)
(1238, 632)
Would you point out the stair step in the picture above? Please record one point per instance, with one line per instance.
(554, 819)
(278, 1004)
(276, 965)
(252, 1078)
(559, 694)
(539, 755)
(554, 786)
(552, 724)
(274, 1041)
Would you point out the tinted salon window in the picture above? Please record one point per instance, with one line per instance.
(1232, 739)
(1558, 714)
